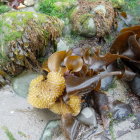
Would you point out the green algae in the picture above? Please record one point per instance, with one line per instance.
(10, 21)
(57, 8)
(8, 133)
(4, 9)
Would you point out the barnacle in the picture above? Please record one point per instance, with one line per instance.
(44, 92)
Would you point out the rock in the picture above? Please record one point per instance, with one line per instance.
(21, 119)
(100, 8)
(124, 130)
(92, 18)
(118, 91)
(21, 6)
(121, 110)
(88, 117)
(88, 27)
(26, 37)
(52, 130)
(28, 9)
(29, 2)
(135, 85)
(21, 82)
(67, 28)
(134, 135)
(62, 45)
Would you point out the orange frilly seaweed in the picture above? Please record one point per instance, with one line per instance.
(43, 92)
(73, 106)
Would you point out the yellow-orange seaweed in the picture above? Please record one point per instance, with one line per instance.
(73, 106)
(61, 108)
(44, 92)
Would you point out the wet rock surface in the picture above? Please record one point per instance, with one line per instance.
(21, 83)
(134, 86)
(88, 117)
(120, 110)
(22, 120)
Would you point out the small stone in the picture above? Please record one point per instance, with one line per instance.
(88, 27)
(135, 85)
(29, 2)
(121, 110)
(62, 45)
(88, 117)
(100, 8)
(21, 83)
(21, 6)
(52, 129)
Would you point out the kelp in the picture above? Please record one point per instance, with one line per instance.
(128, 44)
(85, 69)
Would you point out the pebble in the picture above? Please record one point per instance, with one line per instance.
(29, 2)
(121, 110)
(88, 117)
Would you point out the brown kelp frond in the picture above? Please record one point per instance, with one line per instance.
(74, 63)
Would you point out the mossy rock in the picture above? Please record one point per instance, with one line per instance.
(24, 38)
(92, 18)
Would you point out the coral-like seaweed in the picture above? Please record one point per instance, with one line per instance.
(43, 92)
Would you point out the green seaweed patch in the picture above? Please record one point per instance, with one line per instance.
(57, 8)
(13, 23)
(22, 134)
(4, 8)
(8, 133)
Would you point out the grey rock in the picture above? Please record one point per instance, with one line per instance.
(52, 129)
(62, 45)
(128, 129)
(134, 135)
(20, 117)
(29, 2)
(100, 8)
(121, 110)
(88, 28)
(118, 92)
(135, 85)
(88, 117)
(28, 9)
(21, 83)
